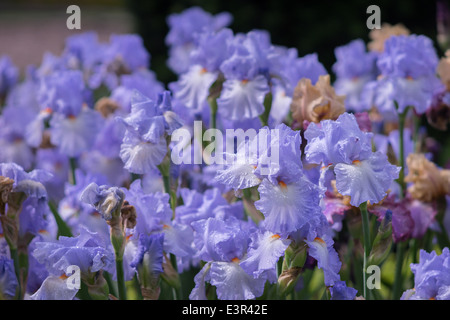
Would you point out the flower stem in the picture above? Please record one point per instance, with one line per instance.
(111, 285)
(396, 291)
(264, 117)
(213, 106)
(23, 270)
(398, 278)
(177, 292)
(164, 169)
(121, 279)
(15, 258)
(366, 242)
(401, 127)
(73, 166)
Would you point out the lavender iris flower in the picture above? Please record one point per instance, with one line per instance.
(9, 75)
(340, 291)
(223, 243)
(87, 251)
(150, 249)
(144, 144)
(106, 200)
(124, 54)
(354, 68)
(8, 279)
(184, 31)
(431, 277)
(360, 173)
(408, 76)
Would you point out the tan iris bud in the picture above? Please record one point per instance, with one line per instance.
(6, 185)
(428, 181)
(128, 213)
(314, 103)
(106, 106)
(170, 275)
(443, 69)
(287, 279)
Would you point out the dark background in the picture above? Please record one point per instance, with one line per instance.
(310, 26)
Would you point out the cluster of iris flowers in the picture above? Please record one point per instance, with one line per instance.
(87, 180)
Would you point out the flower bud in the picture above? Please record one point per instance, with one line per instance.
(106, 106)
(97, 286)
(295, 255)
(6, 185)
(315, 103)
(288, 279)
(443, 69)
(170, 275)
(128, 213)
(382, 244)
(428, 181)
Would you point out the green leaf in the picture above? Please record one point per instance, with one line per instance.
(63, 228)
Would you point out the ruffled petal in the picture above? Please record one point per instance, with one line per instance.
(340, 291)
(243, 99)
(366, 180)
(178, 239)
(141, 156)
(288, 207)
(74, 135)
(327, 258)
(264, 251)
(192, 88)
(233, 283)
(239, 175)
(8, 279)
(54, 288)
(200, 279)
(337, 141)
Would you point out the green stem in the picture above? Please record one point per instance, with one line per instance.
(279, 266)
(15, 258)
(171, 193)
(416, 124)
(366, 243)
(73, 166)
(213, 106)
(398, 278)
(121, 279)
(166, 181)
(264, 117)
(401, 127)
(442, 235)
(23, 271)
(111, 285)
(137, 288)
(177, 293)
(414, 248)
